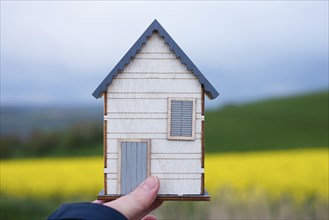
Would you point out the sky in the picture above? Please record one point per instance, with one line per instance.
(58, 52)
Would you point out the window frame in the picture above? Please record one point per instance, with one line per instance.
(169, 137)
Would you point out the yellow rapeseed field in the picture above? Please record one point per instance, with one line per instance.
(52, 177)
(298, 173)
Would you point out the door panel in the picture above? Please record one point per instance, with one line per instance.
(133, 165)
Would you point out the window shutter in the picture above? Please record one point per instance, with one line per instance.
(187, 111)
(181, 118)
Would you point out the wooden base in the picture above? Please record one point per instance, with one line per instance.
(161, 197)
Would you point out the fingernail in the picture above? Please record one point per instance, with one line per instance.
(150, 182)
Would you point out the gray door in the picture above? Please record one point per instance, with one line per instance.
(133, 165)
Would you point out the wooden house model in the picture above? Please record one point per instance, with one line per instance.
(154, 120)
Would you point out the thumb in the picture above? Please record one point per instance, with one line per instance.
(139, 201)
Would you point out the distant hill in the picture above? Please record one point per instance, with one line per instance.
(293, 122)
(24, 120)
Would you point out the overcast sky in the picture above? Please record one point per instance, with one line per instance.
(57, 52)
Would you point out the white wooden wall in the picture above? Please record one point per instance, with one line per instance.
(137, 108)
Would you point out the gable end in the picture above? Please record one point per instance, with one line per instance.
(210, 91)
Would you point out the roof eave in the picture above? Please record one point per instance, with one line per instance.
(210, 91)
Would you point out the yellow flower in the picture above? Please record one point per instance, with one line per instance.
(298, 173)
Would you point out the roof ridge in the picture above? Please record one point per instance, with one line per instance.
(210, 91)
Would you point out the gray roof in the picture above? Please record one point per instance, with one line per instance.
(210, 91)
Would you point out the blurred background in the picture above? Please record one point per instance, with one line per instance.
(266, 134)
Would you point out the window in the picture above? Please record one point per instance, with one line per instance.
(181, 118)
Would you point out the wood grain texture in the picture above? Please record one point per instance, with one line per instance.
(159, 76)
(112, 146)
(154, 105)
(155, 85)
(105, 184)
(138, 115)
(112, 156)
(145, 125)
(176, 166)
(163, 146)
(170, 183)
(202, 100)
(113, 176)
(180, 186)
(161, 197)
(112, 165)
(203, 150)
(137, 108)
(153, 95)
(138, 126)
(155, 65)
(105, 103)
(105, 141)
(202, 183)
(178, 175)
(133, 165)
(111, 186)
(156, 44)
(157, 156)
(148, 135)
(155, 55)
(158, 68)
(194, 125)
(166, 41)
(181, 119)
(119, 168)
(134, 115)
(202, 144)
(202, 128)
(124, 180)
(176, 147)
(163, 166)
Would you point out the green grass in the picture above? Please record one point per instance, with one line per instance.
(286, 123)
(19, 208)
(14, 208)
(225, 205)
(283, 123)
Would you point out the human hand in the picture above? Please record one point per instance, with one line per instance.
(139, 202)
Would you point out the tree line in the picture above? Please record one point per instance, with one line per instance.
(75, 139)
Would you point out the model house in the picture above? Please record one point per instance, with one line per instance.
(154, 119)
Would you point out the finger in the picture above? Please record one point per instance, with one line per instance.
(139, 200)
(98, 201)
(155, 205)
(150, 217)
